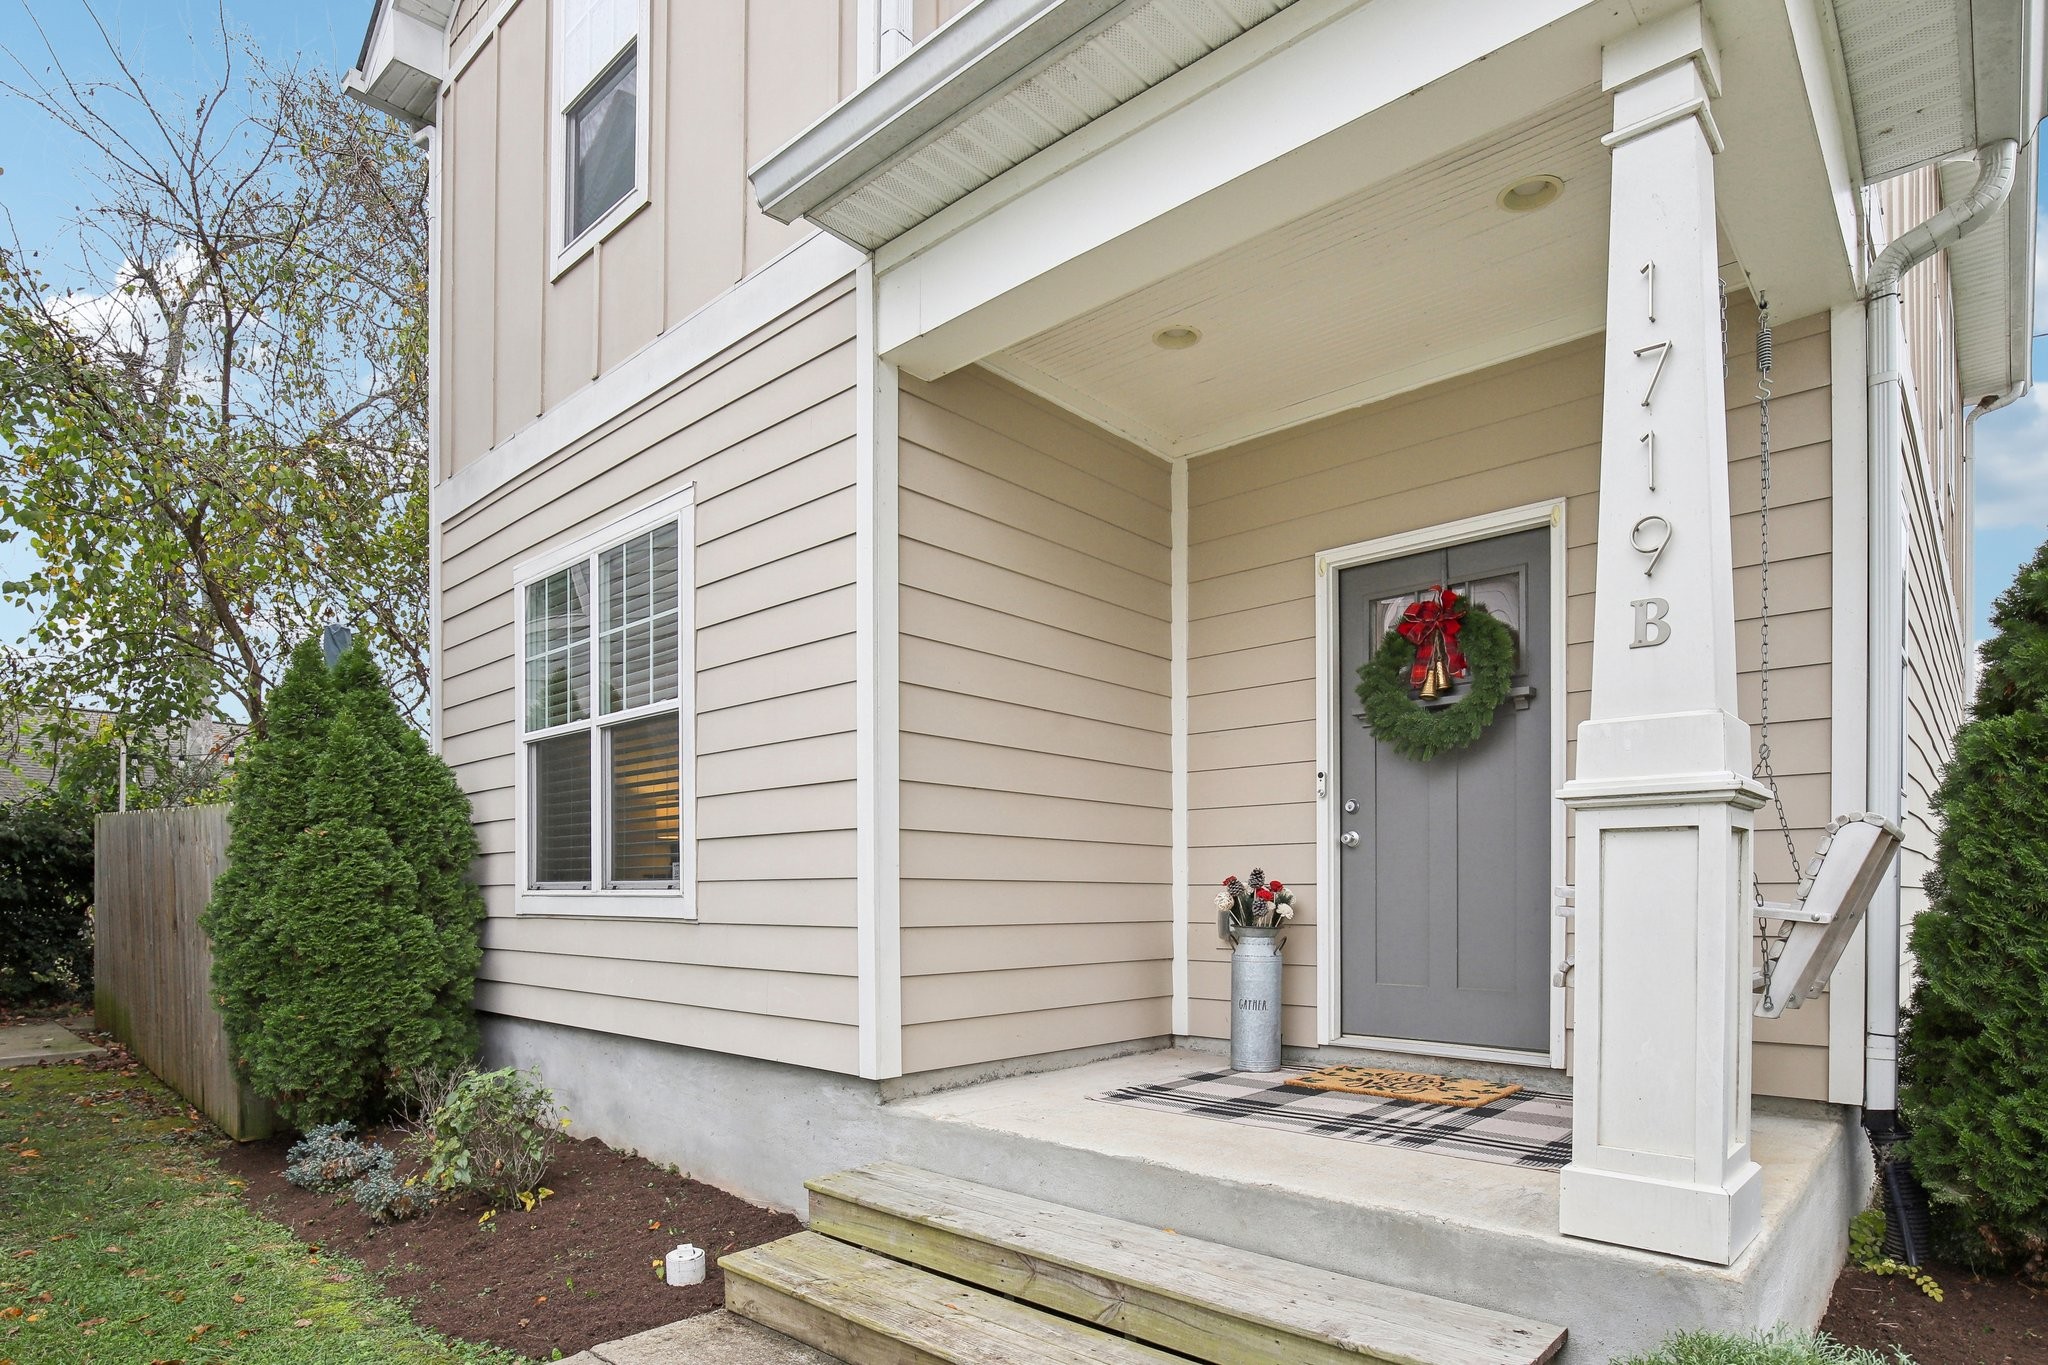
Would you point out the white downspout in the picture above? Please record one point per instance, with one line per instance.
(1997, 162)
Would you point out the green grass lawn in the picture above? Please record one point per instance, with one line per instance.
(121, 1243)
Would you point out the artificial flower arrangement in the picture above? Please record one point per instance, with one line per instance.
(1255, 903)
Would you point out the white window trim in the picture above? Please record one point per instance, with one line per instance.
(680, 902)
(567, 251)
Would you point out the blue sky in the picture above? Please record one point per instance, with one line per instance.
(172, 40)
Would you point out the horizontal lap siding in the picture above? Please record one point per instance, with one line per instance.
(1519, 433)
(1036, 717)
(765, 433)
(1257, 515)
(1937, 635)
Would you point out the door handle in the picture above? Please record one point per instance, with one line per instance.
(1349, 838)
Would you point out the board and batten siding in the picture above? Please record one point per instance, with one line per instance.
(765, 433)
(1518, 433)
(730, 81)
(1036, 729)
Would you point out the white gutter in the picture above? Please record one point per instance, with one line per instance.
(1887, 766)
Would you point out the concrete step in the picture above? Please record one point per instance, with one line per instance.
(1202, 1300)
(869, 1310)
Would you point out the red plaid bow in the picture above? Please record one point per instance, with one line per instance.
(1431, 623)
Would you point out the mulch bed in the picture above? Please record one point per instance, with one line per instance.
(575, 1272)
(1981, 1320)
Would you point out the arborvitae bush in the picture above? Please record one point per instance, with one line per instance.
(1975, 1043)
(344, 930)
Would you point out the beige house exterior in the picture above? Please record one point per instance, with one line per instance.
(1007, 619)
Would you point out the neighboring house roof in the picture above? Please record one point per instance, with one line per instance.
(28, 763)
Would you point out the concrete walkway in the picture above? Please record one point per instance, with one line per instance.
(710, 1339)
(27, 1044)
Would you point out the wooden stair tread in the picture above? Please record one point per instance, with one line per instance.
(1204, 1300)
(869, 1310)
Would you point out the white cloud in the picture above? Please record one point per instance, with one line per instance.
(2012, 464)
(2041, 270)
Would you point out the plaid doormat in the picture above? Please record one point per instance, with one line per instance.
(1530, 1128)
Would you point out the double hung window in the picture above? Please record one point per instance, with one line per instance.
(605, 721)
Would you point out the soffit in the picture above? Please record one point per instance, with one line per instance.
(1909, 80)
(1991, 273)
(1003, 81)
(1407, 282)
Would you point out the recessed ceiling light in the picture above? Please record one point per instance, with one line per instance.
(1530, 192)
(1176, 338)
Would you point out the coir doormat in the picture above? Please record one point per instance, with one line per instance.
(1419, 1086)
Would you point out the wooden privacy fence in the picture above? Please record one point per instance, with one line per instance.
(153, 967)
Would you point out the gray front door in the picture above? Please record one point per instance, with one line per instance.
(1445, 895)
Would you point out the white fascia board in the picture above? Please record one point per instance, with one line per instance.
(401, 66)
(985, 50)
(1257, 133)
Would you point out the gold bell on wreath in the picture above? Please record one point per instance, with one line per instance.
(1437, 680)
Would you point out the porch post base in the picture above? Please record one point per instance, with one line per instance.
(1712, 1223)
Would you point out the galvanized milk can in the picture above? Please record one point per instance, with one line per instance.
(1255, 999)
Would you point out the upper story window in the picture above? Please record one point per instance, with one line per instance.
(601, 120)
(606, 721)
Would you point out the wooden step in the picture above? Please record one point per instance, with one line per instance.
(870, 1310)
(1209, 1302)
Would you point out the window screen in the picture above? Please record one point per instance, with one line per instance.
(601, 137)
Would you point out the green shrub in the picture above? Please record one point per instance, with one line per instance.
(494, 1135)
(1866, 1252)
(1777, 1347)
(1974, 1047)
(344, 930)
(386, 1198)
(329, 1156)
(45, 900)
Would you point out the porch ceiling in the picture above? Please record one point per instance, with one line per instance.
(1414, 279)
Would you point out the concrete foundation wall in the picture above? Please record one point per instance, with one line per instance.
(760, 1129)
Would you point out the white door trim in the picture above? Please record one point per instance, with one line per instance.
(1329, 977)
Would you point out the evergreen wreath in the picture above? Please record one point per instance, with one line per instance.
(1421, 733)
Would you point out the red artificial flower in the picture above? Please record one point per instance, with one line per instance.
(1275, 886)
(1263, 893)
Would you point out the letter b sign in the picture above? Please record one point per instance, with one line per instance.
(1651, 627)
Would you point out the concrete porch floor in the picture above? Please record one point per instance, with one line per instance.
(1467, 1230)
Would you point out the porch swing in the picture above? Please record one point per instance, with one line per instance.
(1804, 940)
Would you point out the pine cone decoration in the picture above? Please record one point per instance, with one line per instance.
(1258, 878)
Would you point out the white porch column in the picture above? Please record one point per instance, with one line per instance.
(1662, 796)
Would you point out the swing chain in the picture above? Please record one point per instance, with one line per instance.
(1773, 943)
